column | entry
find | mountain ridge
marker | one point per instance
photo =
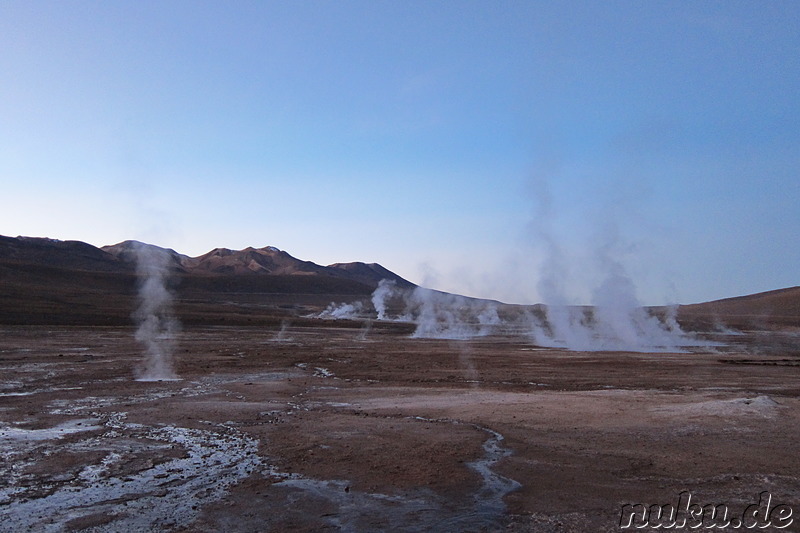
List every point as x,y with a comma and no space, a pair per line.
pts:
267,260
64,281
778,306
51,281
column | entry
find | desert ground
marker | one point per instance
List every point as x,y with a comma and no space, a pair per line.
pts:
329,426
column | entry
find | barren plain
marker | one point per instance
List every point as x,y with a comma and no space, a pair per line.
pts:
327,426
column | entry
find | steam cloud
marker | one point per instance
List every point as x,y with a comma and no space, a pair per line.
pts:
616,321
437,315
157,326
447,316
342,311
384,290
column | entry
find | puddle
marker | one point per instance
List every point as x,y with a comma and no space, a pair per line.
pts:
321,372
341,509
153,499
72,426
38,391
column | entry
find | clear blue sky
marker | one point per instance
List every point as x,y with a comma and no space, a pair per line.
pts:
445,140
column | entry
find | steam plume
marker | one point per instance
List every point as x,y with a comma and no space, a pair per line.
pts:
157,326
346,311
379,297
283,333
437,315
617,319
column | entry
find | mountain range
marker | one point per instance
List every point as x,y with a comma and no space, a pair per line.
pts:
52,281
47,281
257,261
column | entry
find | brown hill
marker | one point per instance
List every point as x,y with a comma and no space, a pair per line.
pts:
263,261
777,308
68,255
46,281
267,260
126,251
370,272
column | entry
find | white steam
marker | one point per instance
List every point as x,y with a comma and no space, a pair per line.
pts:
617,320
283,333
381,295
438,315
448,316
345,311
157,326
365,329
351,311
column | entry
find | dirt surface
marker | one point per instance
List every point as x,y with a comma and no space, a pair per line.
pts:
325,429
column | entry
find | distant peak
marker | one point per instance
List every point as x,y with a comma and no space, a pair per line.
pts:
124,245
221,251
270,249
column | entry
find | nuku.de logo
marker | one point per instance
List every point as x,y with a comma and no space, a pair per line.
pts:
693,515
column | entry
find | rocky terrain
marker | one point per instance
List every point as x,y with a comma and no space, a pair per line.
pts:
325,428
278,419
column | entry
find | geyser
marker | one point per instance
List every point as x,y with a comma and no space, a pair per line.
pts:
616,319
615,322
157,326
438,315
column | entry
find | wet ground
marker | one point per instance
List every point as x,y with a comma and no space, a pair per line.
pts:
344,429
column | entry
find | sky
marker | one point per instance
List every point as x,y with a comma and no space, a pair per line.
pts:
464,145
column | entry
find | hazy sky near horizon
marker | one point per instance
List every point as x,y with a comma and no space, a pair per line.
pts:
460,144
